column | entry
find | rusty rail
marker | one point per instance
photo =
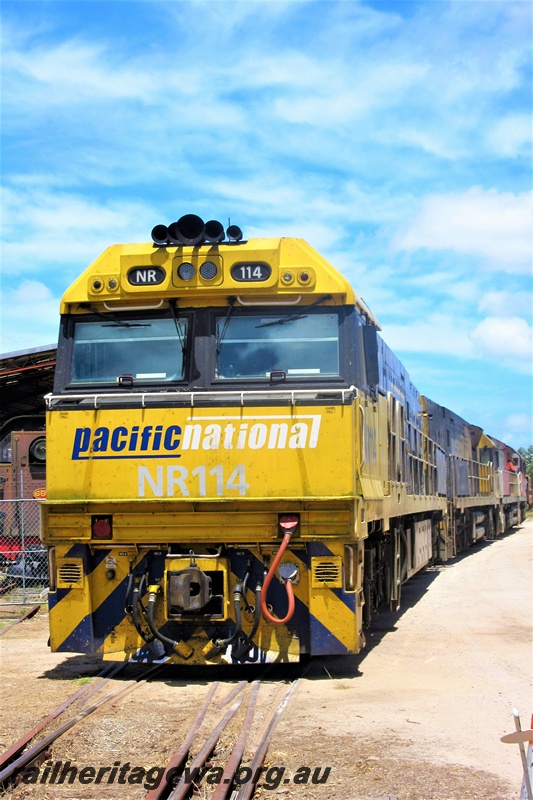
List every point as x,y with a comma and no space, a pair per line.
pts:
18,746
246,791
183,786
28,615
235,758
18,764
181,754
191,776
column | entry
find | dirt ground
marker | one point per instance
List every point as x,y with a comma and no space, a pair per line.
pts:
417,716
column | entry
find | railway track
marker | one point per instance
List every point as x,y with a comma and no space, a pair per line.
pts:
214,756
27,615
22,754
231,777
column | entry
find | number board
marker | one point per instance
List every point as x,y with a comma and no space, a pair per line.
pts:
254,272
146,276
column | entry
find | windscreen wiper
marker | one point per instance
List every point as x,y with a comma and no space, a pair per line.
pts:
172,306
114,320
297,314
231,304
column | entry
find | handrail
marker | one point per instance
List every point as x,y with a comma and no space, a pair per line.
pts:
362,444
270,302
481,483
133,308
54,399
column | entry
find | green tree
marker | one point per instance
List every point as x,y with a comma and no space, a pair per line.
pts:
527,455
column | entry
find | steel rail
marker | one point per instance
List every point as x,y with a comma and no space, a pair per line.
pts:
186,782
180,755
246,791
235,758
17,747
234,692
184,786
118,693
28,615
93,689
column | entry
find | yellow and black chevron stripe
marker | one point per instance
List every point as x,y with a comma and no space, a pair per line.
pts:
88,601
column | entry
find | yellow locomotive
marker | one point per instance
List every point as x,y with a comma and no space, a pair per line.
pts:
239,469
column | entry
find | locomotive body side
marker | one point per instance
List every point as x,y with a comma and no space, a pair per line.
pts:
510,484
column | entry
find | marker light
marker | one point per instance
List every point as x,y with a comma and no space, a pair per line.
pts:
186,271
102,528
208,270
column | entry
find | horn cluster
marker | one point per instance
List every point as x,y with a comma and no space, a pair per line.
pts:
192,230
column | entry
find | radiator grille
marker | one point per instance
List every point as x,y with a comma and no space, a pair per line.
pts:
70,574
326,571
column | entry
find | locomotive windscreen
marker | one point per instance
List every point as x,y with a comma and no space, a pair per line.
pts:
253,346
148,350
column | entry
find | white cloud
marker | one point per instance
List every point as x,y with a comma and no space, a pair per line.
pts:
73,71
61,228
493,225
518,422
347,92
33,302
505,338
518,430
447,284
500,303
439,334
511,136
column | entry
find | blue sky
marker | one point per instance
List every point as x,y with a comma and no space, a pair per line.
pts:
394,136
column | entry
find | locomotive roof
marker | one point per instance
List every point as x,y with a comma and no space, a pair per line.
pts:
293,273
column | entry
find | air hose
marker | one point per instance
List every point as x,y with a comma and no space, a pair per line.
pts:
289,523
237,597
179,647
138,591
245,642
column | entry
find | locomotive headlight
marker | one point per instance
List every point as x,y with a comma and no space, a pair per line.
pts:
37,450
186,271
97,285
112,284
304,277
160,235
234,233
208,270
287,277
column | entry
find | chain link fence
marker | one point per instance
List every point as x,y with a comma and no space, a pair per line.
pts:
23,557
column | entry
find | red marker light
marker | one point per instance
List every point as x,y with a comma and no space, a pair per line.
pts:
288,522
102,528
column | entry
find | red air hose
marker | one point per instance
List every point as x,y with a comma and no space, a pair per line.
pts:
288,523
